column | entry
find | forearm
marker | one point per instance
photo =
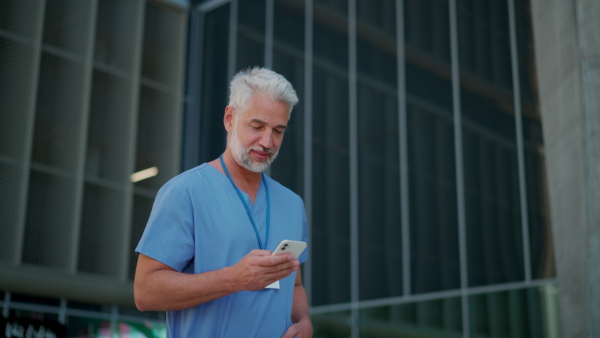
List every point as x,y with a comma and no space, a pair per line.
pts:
168,290
161,288
300,308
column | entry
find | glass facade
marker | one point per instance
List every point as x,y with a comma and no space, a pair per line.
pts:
416,147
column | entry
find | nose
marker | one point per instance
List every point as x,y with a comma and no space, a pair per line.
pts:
266,139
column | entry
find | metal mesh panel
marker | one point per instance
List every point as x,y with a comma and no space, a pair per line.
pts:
156,136
58,115
57,97
162,33
16,87
115,33
109,128
159,120
17,30
66,24
142,205
49,221
101,230
19,17
10,207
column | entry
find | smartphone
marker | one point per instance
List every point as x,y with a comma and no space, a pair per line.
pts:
287,246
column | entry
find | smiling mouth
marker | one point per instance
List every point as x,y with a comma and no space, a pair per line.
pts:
262,155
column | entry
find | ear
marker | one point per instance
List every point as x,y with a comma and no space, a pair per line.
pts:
229,118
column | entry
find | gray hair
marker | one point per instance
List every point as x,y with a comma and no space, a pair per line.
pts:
264,81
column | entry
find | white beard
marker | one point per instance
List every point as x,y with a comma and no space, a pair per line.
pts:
242,156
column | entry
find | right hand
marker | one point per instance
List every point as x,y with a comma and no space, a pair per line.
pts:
258,269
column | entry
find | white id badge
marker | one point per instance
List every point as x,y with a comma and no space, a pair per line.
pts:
274,285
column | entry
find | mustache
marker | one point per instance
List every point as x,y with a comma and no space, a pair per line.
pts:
270,151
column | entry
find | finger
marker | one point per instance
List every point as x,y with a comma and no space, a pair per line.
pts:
282,272
259,252
291,332
287,265
271,261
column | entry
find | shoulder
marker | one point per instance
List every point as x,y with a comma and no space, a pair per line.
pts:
281,191
190,179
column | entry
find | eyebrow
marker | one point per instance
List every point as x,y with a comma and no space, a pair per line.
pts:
264,123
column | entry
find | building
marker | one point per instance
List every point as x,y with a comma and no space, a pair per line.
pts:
449,193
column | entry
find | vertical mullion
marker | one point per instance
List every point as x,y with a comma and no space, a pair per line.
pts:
520,145
308,132
35,78
6,304
269,19
403,140
81,151
114,319
62,311
133,125
194,87
460,194
353,145
233,15
268,57
179,90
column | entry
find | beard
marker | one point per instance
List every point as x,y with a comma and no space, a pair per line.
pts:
241,155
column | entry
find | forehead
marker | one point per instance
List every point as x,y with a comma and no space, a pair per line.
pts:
265,109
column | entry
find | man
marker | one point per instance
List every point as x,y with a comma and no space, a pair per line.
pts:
205,255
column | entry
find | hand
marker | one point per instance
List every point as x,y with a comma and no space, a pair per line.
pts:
302,329
258,269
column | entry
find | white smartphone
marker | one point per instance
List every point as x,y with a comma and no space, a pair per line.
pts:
287,246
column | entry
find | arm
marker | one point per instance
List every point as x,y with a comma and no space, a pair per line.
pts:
302,326
159,287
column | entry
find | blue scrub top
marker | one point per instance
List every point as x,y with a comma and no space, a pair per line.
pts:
199,224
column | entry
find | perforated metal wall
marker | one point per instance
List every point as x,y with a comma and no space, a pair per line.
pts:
90,92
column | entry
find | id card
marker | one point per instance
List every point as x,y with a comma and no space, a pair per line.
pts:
274,285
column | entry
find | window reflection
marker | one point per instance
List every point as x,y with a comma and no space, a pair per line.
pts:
331,178
431,151
434,223
331,218
214,88
434,318
251,34
516,313
493,212
380,238
288,60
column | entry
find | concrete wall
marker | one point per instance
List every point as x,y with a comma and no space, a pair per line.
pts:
567,46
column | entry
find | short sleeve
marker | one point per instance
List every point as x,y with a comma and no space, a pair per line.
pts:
169,233
304,256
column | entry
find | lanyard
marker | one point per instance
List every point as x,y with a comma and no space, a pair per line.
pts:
260,242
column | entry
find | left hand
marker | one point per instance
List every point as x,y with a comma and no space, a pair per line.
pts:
302,329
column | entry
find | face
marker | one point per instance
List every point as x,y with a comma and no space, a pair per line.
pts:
255,135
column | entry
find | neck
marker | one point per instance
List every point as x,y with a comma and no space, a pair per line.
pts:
246,180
